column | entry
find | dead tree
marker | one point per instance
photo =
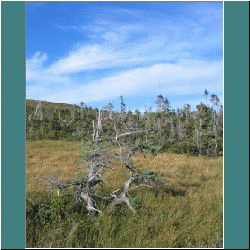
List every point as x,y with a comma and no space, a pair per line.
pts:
98,159
38,114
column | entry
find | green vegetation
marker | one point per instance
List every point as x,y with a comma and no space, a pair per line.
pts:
198,132
132,189
162,220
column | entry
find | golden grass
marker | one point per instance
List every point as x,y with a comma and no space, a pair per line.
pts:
193,220
59,158
200,209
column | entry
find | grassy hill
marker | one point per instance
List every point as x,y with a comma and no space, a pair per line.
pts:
49,105
57,120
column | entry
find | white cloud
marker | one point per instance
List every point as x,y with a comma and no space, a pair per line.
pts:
112,43
84,58
185,77
154,41
89,57
35,71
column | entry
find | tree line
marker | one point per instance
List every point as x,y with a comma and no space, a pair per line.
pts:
198,132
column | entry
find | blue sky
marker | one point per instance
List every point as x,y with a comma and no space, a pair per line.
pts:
97,51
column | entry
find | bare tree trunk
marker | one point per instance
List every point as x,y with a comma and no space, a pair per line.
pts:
93,135
123,197
38,114
98,128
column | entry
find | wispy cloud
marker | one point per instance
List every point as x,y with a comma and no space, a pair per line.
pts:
129,51
100,56
145,80
36,73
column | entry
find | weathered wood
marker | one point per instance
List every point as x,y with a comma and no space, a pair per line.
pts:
89,203
99,159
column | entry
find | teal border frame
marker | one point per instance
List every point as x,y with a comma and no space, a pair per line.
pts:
236,125
13,125
236,120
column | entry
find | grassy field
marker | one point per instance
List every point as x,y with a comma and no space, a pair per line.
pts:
56,157
162,220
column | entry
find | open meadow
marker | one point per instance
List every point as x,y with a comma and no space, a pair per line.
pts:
124,125
192,219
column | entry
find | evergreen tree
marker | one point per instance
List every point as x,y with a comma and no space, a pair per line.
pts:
183,130
206,94
137,112
214,100
165,105
123,105
109,107
159,103
162,104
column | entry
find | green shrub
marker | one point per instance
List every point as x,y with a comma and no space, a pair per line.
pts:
81,176
151,176
140,145
91,149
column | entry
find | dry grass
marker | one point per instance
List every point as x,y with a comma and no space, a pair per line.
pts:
192,172
59,158
193,220
199,212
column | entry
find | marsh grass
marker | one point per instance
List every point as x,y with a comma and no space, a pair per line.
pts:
164,221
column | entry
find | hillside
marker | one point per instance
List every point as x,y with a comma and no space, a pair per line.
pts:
50,105
181,130
57,120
